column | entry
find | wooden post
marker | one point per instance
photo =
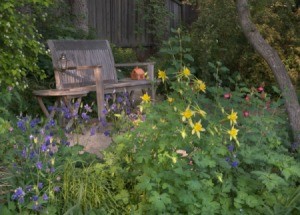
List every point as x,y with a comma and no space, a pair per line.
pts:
99,90
150,69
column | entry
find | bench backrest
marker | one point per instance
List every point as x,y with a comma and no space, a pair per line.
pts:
82,53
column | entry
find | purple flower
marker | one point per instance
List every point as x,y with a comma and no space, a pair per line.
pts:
21,125
39,165
28,188
35,198
107,133
11,129
45,197
40,185
21,200
113,107
87,108
119,99
76,105
227,159
24,153
36,206
48,140
43,148
52,169
51,123
107,96
18,195
85,116
105,112
34,122
10,88
93,131
65,142
103,121
50,108
230,148
56,189
32,155
234,164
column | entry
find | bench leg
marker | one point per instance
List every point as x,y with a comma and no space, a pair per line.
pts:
43,107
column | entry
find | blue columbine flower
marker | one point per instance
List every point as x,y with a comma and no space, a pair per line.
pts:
85,116
51,123
44,148
93,131
107,133
56,189
119,99
28,188
45,197
87,108
18,195
234,164
39,165
40,185
24,153
107,96
32,155
34,122
35,198
113,107
105,112
21,125
230,148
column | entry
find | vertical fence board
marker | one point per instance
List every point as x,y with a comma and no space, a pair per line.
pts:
117,20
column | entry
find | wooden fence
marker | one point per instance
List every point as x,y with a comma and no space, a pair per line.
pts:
117,20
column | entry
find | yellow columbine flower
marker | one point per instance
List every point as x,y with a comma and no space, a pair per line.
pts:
232,117
170,100
146,98
233,133
187,114
197,128
162,75
183,133
201,86
200,111
186,72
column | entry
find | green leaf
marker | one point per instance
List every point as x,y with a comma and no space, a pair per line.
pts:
188,57
159,201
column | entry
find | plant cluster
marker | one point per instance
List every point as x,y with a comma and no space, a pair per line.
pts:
20,44
209,150
216,36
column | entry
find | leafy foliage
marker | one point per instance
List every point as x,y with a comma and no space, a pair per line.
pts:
233,161
216,36
20,44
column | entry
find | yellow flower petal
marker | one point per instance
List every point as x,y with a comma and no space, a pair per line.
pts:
146,98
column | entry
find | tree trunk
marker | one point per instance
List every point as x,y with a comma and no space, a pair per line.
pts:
272,58
79,10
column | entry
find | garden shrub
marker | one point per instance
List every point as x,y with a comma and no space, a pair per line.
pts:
209,150
216,36
20,44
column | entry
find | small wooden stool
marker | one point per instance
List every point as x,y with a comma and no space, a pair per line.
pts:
63,95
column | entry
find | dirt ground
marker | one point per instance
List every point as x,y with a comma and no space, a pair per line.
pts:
92,143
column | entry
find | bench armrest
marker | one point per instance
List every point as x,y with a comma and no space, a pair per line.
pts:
134,64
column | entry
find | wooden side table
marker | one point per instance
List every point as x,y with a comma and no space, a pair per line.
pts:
63,95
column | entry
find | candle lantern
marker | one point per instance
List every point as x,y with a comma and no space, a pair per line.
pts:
63,61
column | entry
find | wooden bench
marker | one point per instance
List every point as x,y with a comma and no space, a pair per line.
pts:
90,66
